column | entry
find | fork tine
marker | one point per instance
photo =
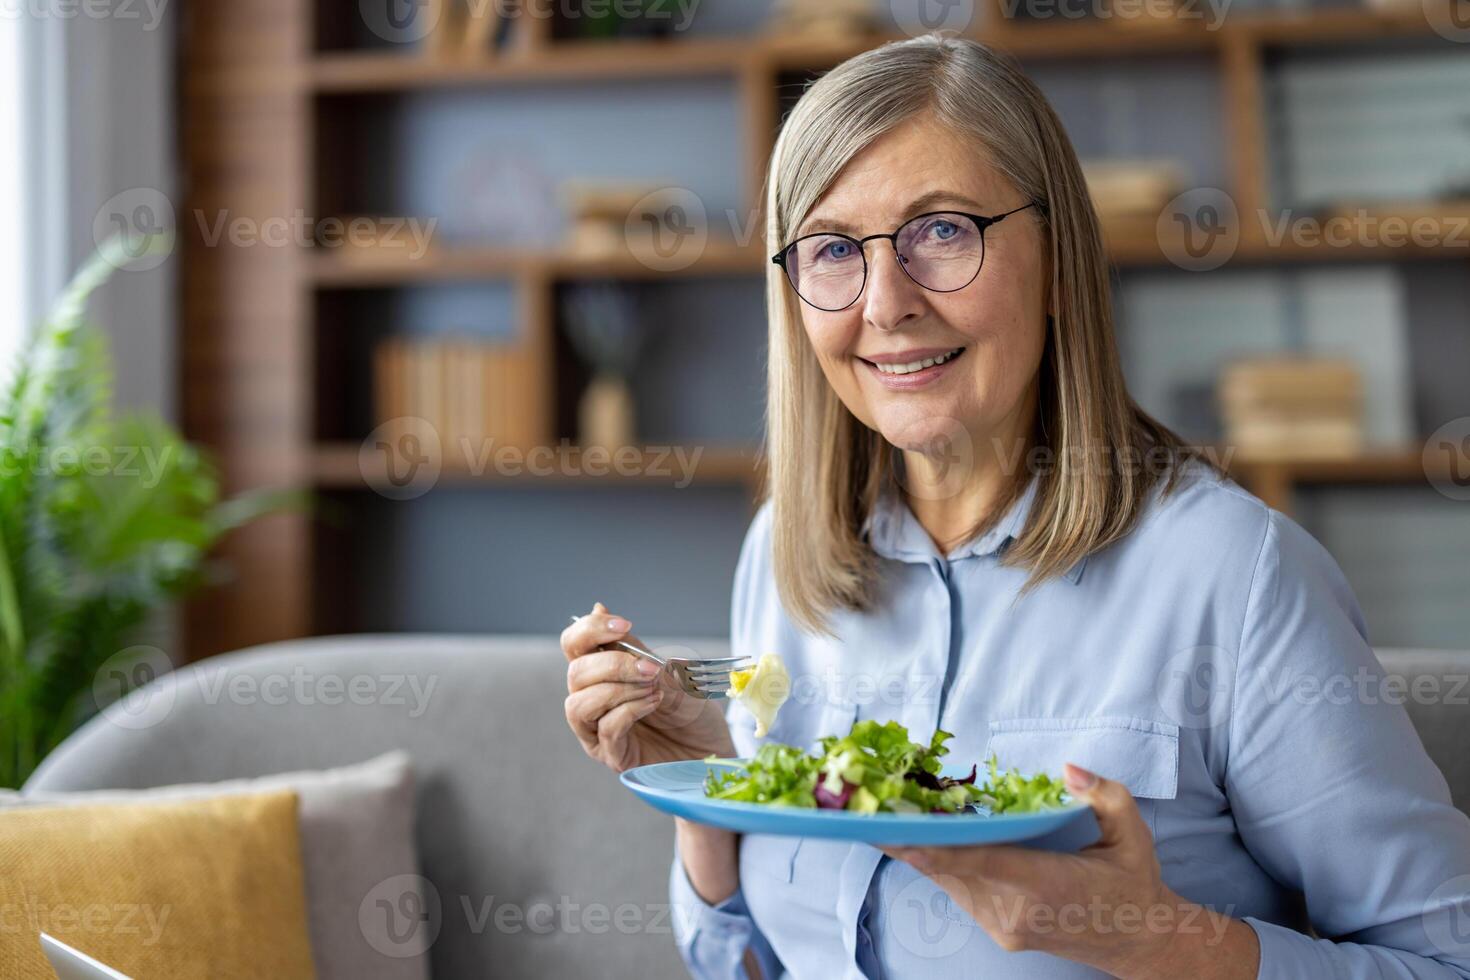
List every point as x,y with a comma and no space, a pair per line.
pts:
713,688
713,662
708,673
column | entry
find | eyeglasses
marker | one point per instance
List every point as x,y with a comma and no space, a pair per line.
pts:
941,251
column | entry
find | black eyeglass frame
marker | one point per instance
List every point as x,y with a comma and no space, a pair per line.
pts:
982,221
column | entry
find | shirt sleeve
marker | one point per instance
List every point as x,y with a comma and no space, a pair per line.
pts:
1331,789
714,939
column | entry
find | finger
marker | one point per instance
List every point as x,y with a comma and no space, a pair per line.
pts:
586,707
991,862
609,666
1118,820
613,727
592,631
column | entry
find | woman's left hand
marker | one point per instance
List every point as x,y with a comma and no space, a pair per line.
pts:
1106,905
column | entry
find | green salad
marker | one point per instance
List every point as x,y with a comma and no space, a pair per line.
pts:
875,768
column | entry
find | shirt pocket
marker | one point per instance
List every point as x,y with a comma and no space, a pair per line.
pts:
1143,755
777,855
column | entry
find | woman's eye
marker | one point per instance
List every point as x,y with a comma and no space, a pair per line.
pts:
837,250
944,230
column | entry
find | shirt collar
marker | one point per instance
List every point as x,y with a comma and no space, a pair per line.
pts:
893,531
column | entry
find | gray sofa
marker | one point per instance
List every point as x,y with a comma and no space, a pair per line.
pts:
510,810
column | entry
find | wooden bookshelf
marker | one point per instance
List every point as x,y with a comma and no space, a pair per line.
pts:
576,61
262,108
1276,480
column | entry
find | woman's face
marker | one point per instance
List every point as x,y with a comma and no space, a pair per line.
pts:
996,323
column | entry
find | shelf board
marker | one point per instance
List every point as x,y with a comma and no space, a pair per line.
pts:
1134,241
347,271
560,62
572,61
337,466
1377,465
1319,27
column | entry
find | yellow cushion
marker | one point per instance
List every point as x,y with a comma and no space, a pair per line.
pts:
158,890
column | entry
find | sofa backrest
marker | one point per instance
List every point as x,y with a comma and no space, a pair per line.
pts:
511,813
544,865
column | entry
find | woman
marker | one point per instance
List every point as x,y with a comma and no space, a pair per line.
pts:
971,526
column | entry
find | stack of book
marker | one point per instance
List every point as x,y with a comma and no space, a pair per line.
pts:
1292,408
478,397
476,28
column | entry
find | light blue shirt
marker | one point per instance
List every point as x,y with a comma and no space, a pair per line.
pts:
1214,661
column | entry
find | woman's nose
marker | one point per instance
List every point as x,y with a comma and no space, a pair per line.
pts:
890,296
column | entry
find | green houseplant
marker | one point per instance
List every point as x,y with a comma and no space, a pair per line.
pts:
102,521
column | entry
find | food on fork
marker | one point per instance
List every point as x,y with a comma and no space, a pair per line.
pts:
762,689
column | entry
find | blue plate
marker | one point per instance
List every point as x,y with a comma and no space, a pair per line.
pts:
678,788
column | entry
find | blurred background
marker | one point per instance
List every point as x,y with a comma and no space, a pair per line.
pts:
487,280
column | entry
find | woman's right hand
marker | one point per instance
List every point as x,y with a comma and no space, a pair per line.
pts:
627,715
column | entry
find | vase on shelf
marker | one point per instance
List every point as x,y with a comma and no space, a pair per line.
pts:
606,415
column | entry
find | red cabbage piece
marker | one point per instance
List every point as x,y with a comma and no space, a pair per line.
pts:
833,801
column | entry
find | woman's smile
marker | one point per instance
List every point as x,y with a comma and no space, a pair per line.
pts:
909,369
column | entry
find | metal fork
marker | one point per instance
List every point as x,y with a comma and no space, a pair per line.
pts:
708,680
